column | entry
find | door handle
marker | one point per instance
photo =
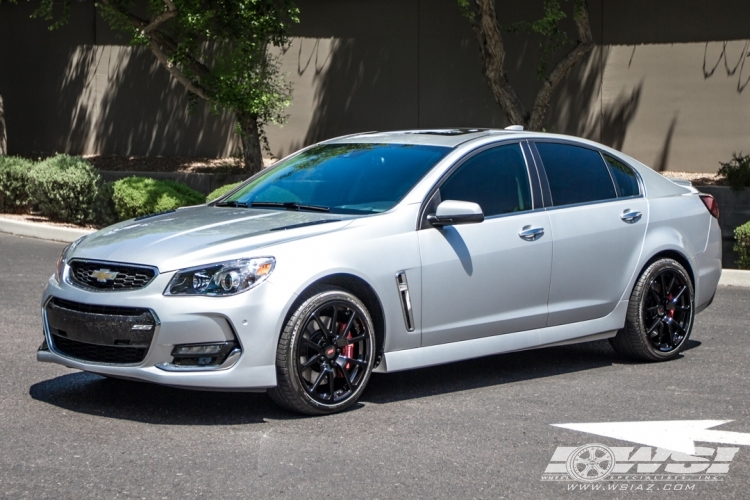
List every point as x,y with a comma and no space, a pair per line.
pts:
630,217
529,233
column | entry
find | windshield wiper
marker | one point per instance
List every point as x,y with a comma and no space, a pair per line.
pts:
232,204
288,205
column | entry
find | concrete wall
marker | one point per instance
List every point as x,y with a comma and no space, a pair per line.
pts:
667,83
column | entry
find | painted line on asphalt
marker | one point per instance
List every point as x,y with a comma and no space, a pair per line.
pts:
729,277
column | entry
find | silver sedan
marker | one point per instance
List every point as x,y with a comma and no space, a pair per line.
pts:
385,252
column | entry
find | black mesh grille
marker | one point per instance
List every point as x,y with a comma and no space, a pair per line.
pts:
99,353
107,310
110,275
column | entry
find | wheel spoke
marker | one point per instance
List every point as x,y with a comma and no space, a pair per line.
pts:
334,327
318,381
354,340
321,326
347,377
653,293
311,361
663,286
331,376
679,294
363,364
652,327
349,324
671,284
312,345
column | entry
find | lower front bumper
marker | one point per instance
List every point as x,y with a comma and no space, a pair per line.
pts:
233,379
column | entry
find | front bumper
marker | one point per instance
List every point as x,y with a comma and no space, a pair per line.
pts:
252,320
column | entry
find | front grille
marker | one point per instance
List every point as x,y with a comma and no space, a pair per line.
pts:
101,275
99,353
105,334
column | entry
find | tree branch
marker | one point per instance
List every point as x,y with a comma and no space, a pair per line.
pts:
161,18
583,46
485,25
176,73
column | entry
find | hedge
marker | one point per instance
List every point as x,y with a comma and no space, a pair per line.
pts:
219,192
65,188
14,195
737,171
136,196
742,245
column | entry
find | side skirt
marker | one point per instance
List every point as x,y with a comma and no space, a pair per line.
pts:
584,331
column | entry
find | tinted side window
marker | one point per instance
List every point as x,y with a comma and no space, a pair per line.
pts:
496,179
627,182
575,174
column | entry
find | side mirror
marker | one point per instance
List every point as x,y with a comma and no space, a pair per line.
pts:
452,212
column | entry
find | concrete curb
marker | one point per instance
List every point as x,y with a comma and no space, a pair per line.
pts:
729,277
41,231
735,277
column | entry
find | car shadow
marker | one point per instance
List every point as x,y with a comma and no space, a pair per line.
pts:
155,404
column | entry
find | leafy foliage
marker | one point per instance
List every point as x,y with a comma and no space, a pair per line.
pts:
737,171
136,196
14,194
218,50
742,245
65,188
219,192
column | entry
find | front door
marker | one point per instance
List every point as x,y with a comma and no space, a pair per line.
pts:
486,279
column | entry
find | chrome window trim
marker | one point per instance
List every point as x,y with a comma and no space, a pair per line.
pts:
66,274
53,349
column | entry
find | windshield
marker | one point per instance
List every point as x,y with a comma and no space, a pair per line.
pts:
341,178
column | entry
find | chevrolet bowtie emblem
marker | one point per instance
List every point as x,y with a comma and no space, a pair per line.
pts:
104,275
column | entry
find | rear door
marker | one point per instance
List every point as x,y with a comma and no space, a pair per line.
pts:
598,218
485,279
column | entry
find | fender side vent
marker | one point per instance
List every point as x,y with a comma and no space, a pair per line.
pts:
403,292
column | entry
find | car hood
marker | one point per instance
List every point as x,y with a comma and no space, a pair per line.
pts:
197,235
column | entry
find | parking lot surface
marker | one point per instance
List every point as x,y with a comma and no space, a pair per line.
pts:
475,429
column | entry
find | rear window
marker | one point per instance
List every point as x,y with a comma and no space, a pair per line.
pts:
625,178
575,174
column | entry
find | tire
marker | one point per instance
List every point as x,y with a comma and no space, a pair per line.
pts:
320,369
660,314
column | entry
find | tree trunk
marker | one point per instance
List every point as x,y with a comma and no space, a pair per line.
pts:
250,136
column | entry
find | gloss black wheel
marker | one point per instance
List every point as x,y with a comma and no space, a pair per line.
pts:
325,354
660,313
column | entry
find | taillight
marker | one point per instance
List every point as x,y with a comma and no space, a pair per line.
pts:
711,204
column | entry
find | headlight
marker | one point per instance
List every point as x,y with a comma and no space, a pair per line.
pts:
62,259
223,278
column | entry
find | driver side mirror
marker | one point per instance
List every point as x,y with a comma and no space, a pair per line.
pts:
453,212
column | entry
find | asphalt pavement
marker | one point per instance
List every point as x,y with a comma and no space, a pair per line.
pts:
475,429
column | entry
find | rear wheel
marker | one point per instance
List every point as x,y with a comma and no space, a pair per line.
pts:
660,314
325,354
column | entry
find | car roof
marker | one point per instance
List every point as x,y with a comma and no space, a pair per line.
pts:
450,137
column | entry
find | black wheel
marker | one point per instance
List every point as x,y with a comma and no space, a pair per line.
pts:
660,314
325,354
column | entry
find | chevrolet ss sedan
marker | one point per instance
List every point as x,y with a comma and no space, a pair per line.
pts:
385,252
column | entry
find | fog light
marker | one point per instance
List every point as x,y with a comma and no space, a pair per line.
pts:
202,354
194,350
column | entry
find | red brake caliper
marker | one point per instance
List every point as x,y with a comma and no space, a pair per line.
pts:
347,350
671,311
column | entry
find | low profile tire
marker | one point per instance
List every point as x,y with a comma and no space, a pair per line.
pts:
660,314
325,354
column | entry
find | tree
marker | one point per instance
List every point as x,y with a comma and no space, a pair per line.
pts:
485,23
217,49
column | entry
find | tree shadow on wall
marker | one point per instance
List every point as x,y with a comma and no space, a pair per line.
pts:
578,108
119,100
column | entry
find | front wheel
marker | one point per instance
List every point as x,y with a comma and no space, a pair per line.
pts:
325,354
660,314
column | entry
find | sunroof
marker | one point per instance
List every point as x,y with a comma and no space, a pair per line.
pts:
452,131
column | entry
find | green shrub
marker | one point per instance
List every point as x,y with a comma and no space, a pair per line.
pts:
742,245
14,193
104,208
219,192
65,188
737,171
136,196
